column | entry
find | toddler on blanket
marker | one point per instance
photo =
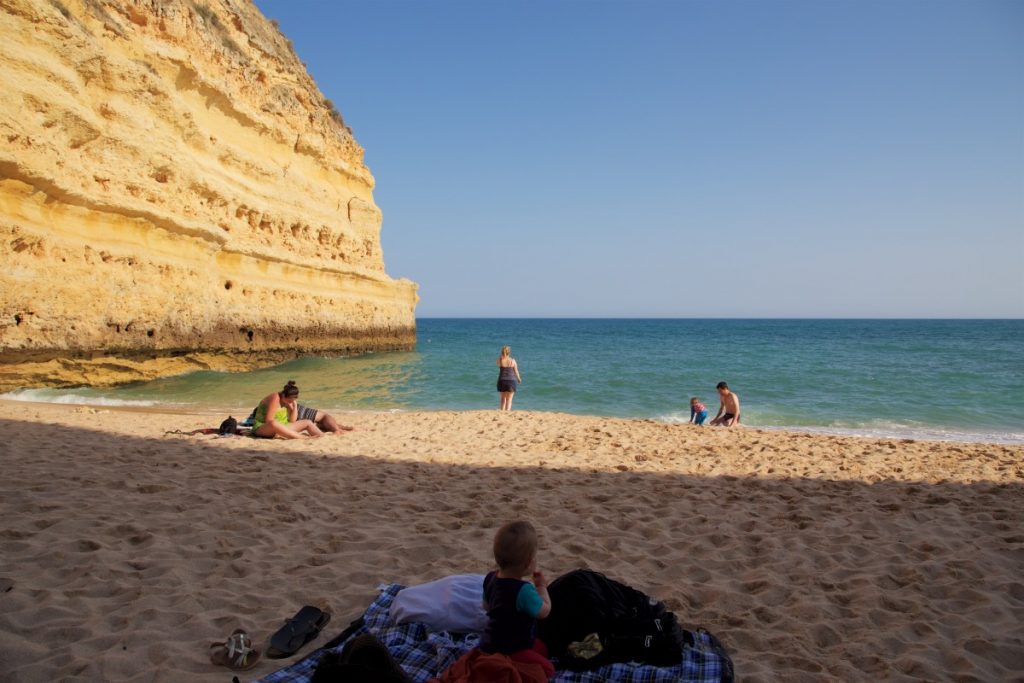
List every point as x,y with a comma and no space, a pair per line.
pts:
513,605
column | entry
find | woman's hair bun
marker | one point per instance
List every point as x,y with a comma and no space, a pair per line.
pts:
291,383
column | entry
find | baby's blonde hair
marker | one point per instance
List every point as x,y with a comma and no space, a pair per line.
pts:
515,546
694,400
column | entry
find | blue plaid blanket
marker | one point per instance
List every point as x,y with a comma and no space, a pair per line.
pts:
426,655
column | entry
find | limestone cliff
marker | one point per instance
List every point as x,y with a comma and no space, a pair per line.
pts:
176,193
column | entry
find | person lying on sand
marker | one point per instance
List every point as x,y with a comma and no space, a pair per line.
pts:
324,421
277,415
729,408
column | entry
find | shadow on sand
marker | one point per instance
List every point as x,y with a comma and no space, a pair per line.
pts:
127,554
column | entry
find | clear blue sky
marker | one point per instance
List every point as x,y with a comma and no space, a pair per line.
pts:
849,158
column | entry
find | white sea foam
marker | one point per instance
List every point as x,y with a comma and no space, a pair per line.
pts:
56,396
895,431
879,429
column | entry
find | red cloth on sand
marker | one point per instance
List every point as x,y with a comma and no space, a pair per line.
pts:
477,666
537,655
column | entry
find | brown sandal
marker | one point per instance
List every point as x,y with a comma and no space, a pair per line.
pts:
236,653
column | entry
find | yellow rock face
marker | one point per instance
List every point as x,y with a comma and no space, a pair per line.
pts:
176,194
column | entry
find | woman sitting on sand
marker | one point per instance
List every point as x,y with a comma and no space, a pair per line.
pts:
276,415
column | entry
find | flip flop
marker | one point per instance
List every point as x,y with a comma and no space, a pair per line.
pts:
297,631
236,653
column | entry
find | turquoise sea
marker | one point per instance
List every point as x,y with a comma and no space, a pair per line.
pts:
939,379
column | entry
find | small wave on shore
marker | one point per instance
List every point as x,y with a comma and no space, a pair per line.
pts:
877,429
68,397
882,430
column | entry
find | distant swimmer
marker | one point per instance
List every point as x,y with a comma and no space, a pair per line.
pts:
729,408
508,378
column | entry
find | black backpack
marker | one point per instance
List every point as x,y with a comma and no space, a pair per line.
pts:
632,627
228,426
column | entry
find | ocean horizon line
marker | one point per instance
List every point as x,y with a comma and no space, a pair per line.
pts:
706,318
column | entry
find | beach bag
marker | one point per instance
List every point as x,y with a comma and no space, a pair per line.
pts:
228,426
630,626
652,640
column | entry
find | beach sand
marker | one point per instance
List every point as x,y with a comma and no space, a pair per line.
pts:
126,551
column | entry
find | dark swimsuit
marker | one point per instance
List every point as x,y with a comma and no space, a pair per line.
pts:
507,379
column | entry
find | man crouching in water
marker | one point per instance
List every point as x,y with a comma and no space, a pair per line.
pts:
729,408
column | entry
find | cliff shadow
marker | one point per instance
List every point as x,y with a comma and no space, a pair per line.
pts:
126,555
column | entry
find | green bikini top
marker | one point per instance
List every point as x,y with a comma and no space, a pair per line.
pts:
280,416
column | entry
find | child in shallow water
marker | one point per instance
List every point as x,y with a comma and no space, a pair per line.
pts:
698,411
512,604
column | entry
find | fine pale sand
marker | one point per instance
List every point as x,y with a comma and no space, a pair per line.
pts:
126,551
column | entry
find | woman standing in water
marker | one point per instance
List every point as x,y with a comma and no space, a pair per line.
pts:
508,378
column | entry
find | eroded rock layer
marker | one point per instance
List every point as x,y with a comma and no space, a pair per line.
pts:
176,193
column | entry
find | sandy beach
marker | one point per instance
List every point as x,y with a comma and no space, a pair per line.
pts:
126,550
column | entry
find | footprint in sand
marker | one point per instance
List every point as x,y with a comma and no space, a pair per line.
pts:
15,534
153,488
139,539
754,587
